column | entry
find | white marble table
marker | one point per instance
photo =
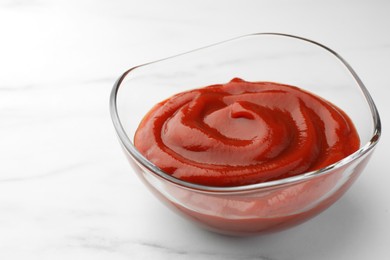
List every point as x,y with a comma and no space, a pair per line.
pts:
67,191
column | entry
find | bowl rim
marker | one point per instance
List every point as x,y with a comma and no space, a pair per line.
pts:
140,159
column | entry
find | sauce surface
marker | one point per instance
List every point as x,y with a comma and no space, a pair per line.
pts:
242,133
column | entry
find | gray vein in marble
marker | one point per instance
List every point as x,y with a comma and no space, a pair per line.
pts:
200,254
16,88
47,174
62,83
114,245
100,80
28,120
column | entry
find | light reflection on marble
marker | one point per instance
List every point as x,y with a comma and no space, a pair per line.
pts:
66,190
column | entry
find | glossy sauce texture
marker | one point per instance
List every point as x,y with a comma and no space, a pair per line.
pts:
243,132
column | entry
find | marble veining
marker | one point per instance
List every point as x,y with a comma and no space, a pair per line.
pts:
61,170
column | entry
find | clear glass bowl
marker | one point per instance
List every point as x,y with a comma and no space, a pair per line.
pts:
262,207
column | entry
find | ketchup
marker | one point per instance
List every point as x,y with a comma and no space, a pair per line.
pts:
242,133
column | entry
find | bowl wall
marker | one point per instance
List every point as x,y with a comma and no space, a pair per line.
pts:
257,211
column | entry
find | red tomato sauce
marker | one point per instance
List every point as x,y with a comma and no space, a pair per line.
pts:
242,133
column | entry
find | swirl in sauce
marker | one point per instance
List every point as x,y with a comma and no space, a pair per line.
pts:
243,132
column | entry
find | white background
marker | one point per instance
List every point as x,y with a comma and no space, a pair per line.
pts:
66,189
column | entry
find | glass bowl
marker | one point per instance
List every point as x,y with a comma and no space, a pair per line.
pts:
263,207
